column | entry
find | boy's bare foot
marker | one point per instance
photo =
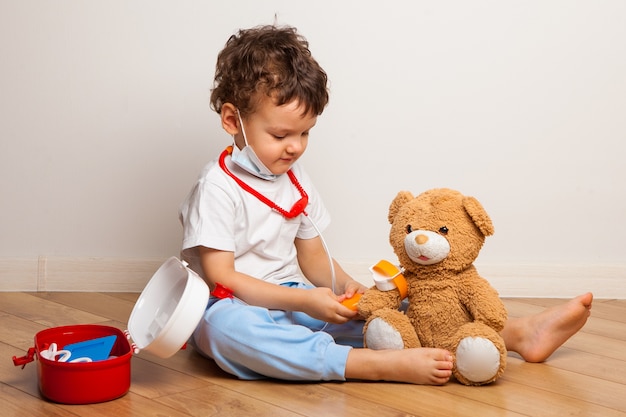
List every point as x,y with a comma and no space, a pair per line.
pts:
536,337
424,366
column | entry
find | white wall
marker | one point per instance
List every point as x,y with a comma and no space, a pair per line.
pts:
105,122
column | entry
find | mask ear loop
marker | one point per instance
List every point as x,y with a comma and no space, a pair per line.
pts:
243,130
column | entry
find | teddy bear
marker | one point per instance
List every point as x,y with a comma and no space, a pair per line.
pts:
437,236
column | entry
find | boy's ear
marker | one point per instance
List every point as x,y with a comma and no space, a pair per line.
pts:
230,121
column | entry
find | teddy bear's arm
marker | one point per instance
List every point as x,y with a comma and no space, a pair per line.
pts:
374,299
483,302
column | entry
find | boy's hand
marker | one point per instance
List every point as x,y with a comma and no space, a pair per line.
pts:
322,304
352,287
349,297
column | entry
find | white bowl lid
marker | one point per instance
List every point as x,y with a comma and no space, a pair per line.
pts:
168,309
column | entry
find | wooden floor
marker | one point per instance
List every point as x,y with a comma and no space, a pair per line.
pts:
586,377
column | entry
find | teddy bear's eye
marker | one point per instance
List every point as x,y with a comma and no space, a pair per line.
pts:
443,230
409,229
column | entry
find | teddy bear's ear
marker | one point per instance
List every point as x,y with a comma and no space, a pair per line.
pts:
479,215
401,199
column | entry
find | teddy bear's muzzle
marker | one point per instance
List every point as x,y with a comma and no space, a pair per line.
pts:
425,247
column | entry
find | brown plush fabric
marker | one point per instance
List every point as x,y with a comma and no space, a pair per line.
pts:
448,299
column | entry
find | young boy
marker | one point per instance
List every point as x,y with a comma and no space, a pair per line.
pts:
252,223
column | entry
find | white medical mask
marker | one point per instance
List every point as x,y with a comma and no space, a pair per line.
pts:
248,160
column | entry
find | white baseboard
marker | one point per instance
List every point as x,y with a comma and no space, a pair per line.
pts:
131,275
76,274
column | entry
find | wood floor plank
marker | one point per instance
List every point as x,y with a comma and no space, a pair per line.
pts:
100,304
47,313
528,400
423,400
613,329
217,401
569,384
131,405
315,399
589,364
601,345
151,380
15,403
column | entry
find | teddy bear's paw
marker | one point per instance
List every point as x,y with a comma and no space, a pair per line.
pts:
477,360
381,335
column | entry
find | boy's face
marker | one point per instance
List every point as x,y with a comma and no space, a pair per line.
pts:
278,134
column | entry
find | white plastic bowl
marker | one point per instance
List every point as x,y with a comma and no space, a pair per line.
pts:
168,309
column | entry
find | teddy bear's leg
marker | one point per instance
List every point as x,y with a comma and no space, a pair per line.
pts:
480,354
389,329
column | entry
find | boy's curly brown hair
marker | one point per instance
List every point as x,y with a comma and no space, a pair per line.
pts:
271,61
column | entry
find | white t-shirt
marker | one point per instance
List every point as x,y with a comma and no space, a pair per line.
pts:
219,214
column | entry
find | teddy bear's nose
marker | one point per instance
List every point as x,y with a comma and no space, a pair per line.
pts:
421,239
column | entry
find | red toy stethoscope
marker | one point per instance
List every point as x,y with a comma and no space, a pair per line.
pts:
296,209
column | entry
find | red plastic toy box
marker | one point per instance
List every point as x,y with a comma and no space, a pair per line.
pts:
162,320
81,383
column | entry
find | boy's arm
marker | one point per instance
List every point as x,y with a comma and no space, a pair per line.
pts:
219,267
